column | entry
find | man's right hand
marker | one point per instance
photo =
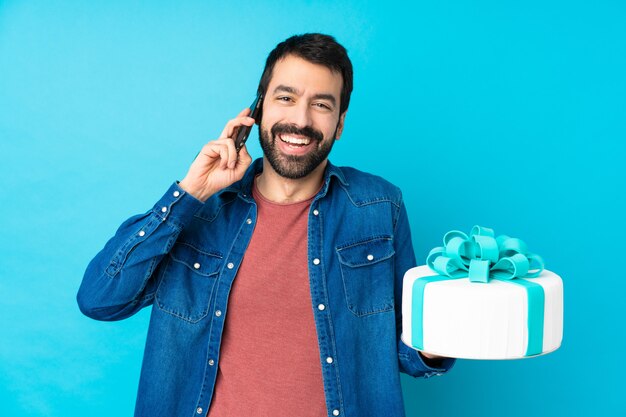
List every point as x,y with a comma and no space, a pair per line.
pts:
217,165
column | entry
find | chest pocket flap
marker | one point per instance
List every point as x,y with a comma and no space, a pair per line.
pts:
366,253
188,280
203,263
367,272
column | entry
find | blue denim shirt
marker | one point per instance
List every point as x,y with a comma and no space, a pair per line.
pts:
182,257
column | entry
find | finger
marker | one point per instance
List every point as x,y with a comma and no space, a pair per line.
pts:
232,152
223,141
210,150
244,156
214,150
244,160
234,124
241,119
243,113
225,155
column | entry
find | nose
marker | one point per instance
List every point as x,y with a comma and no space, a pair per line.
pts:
301,114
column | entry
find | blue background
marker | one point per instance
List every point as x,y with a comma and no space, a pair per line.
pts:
505,114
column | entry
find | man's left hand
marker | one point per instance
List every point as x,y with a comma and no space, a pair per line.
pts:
434,361
431,356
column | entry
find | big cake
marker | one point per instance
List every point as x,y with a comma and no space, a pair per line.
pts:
482,297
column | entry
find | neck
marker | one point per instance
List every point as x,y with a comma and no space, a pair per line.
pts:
284,190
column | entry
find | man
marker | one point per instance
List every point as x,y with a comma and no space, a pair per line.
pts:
276,285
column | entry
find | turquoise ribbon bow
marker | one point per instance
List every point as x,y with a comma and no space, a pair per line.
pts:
482,257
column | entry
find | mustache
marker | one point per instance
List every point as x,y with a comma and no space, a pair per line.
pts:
307,131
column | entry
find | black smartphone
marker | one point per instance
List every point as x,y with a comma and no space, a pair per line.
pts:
255,113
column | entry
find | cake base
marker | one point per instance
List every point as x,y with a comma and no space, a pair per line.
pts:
461,319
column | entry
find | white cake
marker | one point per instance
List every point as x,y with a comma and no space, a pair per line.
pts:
481,320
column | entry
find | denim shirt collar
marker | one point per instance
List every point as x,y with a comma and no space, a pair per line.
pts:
244,186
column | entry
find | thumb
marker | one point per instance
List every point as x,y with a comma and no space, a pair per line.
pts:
244,156
244,160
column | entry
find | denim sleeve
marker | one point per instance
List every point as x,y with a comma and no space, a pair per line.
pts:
410,361
119,281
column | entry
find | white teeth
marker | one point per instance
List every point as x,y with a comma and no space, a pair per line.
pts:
295,141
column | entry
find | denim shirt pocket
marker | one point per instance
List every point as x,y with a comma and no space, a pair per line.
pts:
367,274
187,282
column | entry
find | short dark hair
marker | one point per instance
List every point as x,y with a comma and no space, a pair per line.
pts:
318,49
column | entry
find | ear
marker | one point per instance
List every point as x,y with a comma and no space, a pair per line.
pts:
342,119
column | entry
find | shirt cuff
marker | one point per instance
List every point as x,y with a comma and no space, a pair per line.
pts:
177,206
416,365
445,365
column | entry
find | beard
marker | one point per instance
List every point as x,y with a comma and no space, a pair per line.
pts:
294,166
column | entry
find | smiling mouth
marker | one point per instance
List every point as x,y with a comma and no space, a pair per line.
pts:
294,140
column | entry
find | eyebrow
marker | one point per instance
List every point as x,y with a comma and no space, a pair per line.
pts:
292,90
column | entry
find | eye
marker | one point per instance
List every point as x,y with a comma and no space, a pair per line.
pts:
284,99
322,106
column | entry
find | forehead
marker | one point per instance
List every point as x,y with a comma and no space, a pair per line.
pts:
306,77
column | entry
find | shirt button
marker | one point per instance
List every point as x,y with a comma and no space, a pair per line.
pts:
230,265
211,362
199,410
218,313
315,212
321,306
176,193
335,412
249,221
329,360
164,209
142,233
196,265
370,257
316,261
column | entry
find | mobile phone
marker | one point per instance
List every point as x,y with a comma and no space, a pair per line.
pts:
244,131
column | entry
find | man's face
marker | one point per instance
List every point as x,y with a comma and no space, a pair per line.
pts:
301,117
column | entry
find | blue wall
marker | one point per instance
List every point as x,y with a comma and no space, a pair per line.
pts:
506,114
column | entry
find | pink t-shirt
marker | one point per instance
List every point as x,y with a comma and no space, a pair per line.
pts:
269,361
